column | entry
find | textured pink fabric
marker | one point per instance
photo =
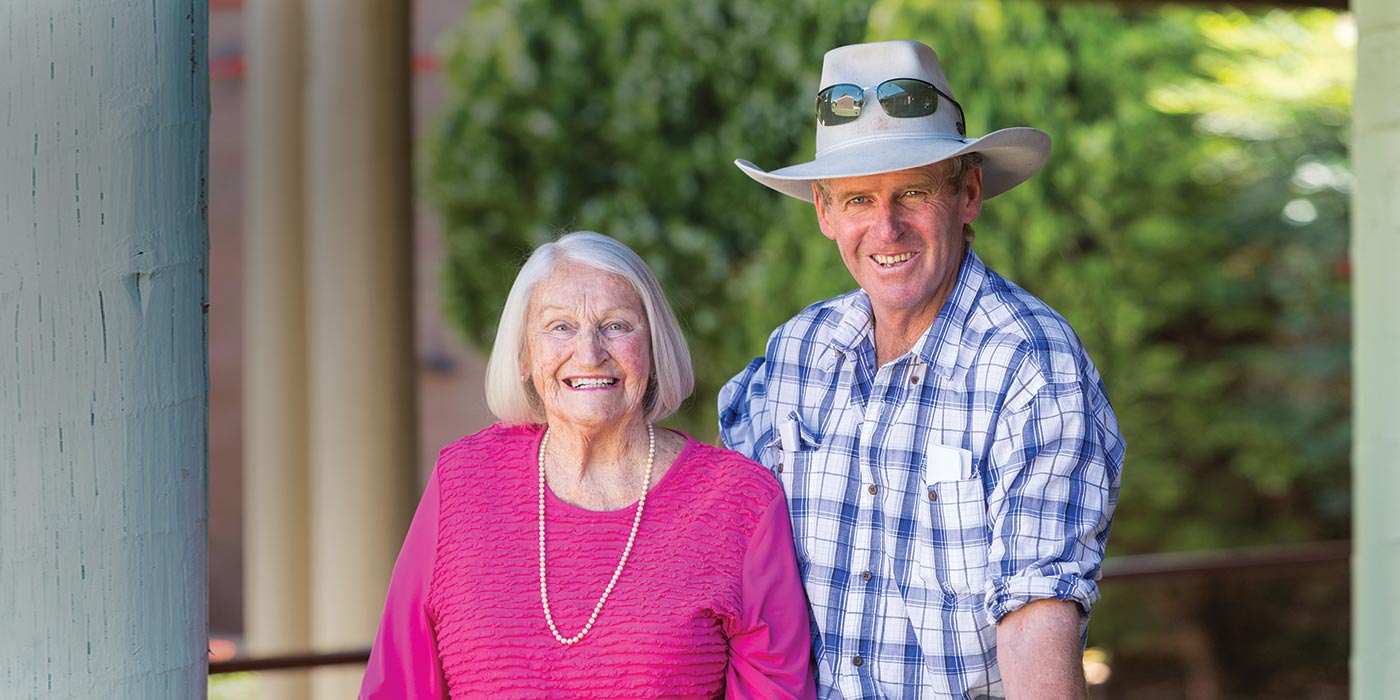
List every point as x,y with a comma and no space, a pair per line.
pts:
710,604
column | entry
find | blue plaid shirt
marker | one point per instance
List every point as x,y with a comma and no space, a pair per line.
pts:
933,495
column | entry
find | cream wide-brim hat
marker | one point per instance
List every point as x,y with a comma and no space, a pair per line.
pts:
877,143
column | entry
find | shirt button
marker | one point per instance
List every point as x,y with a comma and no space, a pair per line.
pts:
866,576
780,467
914,379
857,662
932,495
873,489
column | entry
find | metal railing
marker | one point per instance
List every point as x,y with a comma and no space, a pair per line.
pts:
1232,562
1247,560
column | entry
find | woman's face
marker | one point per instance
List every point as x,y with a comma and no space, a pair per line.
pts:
588,350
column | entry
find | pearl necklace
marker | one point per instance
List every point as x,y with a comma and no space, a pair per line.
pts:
626,551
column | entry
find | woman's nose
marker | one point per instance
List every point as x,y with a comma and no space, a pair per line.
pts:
590,346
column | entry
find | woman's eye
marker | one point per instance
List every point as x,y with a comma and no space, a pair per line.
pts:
615,328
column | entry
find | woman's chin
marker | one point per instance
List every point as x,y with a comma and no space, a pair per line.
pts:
591,415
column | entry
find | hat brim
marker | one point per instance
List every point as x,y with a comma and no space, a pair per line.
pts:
1009,157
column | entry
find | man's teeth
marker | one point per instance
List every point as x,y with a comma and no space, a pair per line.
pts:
590,383
888,260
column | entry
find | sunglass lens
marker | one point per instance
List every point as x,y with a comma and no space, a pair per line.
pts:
839,104
907,97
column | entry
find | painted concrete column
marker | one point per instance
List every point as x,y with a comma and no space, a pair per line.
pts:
103,372
1375,255
276,510
359,318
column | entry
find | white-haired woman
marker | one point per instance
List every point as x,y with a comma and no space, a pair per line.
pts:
574,550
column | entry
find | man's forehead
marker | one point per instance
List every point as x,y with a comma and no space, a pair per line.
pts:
926,174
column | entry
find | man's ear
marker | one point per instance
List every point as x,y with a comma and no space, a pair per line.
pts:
821,211
972,188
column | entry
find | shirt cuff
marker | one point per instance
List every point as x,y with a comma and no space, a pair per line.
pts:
1009,594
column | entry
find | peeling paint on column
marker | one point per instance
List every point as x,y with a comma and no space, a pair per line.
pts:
103,398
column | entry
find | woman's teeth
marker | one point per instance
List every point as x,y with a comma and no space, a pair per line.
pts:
590,383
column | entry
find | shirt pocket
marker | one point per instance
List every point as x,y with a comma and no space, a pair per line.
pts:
952,538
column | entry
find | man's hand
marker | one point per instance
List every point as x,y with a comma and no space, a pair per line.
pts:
1040,653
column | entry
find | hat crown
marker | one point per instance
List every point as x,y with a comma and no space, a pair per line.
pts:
868,65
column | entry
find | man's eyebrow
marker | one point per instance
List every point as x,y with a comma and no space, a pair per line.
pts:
919,184
849,192
923,183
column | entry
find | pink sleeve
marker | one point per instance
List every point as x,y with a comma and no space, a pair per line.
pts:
404,662
770,652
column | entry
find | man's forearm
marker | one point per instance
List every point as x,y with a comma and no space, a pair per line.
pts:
1040,653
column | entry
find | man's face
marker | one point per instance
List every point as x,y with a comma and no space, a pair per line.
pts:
901,236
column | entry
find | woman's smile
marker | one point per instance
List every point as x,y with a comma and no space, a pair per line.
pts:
591,383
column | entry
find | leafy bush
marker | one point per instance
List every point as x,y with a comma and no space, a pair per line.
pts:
1159,230
624,117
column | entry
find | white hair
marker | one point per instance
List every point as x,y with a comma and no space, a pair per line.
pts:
512,398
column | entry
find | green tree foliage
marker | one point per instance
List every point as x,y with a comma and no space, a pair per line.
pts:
624,117
1160,229
1191,225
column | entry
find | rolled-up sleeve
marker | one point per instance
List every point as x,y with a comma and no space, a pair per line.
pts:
770,645
404,662
1055,464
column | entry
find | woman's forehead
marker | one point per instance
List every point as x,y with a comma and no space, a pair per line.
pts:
573,285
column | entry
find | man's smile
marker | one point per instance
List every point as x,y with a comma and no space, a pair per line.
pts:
891,261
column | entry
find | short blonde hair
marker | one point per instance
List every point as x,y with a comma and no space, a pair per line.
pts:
512,398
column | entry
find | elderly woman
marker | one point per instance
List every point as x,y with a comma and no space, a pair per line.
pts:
575,550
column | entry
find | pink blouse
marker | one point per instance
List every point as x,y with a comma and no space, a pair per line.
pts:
709,605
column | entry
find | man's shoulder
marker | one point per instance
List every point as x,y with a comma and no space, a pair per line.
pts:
1008,316
819,320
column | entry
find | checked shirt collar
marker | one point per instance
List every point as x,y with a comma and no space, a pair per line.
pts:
940,347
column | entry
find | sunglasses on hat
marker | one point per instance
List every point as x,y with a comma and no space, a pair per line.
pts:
902,98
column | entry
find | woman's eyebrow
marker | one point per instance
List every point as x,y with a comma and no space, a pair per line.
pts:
602,312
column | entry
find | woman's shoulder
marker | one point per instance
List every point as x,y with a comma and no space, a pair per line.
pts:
730,473
493,444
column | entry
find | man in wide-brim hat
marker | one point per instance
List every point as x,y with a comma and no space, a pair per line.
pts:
949,455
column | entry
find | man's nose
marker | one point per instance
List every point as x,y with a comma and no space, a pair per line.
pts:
888,223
